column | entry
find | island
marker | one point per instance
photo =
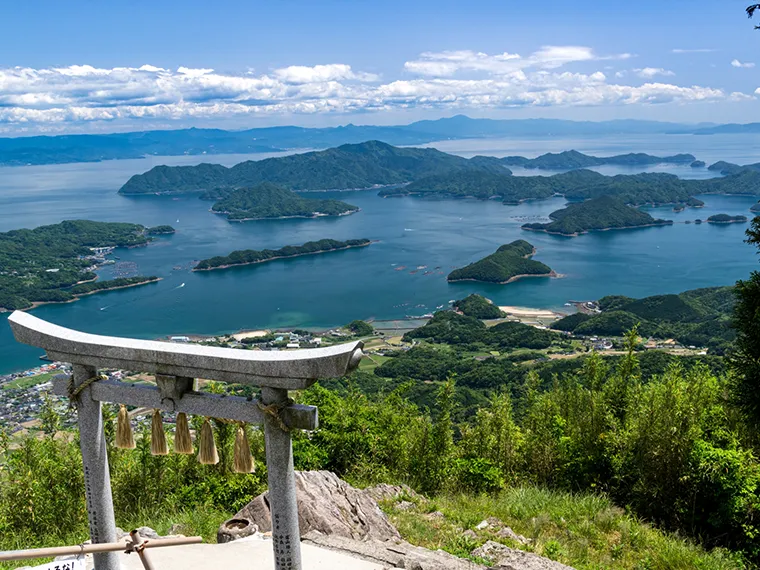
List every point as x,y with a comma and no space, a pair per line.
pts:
429,172
57,263
479,307
253,257
605,213
161,231
271,201
350,166
698,164
572,159
507,264
726,219
755,207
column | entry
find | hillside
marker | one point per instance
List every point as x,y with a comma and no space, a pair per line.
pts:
271,201
597,214
252,256
572,159
345,167
508,263
49,263
700,317
726,219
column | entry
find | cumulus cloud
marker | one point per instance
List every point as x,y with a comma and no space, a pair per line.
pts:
451,80
649,72
737,63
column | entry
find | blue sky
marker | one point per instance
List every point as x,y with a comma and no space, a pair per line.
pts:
80,65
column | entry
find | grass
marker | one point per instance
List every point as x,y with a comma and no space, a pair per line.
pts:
29,381
586,532
199,522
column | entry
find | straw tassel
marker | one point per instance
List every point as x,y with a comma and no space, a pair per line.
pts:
207,454
157,435
125,439
183,443
243,460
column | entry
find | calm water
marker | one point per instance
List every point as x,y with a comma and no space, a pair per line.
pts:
335,288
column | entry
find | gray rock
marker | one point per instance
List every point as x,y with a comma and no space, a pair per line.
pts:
482,525
507,532
325,504
469,533
506,558
394,554
147,532
436,515
405,506
384,491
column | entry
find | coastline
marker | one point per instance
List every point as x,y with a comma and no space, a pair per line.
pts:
314,215
36,304
576,234
552,273
282,257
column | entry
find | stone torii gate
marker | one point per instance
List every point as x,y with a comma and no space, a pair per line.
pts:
176,367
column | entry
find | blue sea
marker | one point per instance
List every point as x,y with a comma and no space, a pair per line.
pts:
365,283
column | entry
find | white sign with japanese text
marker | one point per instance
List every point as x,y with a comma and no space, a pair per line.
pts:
77,564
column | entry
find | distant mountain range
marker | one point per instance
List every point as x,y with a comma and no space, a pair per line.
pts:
21,151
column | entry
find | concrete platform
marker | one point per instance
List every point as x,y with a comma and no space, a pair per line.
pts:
252,553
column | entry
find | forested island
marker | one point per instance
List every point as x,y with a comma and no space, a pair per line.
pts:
161,231
605,213
700,317
426,171
268,200
252,256
508,263
349,166
572,160
55,263
726,219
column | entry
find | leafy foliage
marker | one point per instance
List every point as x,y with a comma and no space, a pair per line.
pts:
509,262
270,201
253,256
360,328
41,265
572,159
601,213
478,306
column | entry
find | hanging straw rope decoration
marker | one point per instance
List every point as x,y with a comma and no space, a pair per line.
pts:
158,444
243,460
183,443
125,439
207,454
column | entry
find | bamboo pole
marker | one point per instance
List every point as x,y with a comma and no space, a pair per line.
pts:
93,548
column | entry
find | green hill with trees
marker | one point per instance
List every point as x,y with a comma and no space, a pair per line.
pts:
253,256
726,219
49,264
479,307
700,317
268,200
508,263
345,167
572,159
603,213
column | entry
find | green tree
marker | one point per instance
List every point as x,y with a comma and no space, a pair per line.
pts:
746,356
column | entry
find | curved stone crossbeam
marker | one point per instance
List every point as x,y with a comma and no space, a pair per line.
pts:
290,370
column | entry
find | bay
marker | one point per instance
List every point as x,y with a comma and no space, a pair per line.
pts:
335,288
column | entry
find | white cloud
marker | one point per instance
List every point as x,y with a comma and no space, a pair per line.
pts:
649,72
452,80
697,50
737,63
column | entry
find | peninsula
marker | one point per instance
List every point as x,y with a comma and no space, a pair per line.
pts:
252,256
56,263
605,213
726,219
572,159
508,263
268,200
